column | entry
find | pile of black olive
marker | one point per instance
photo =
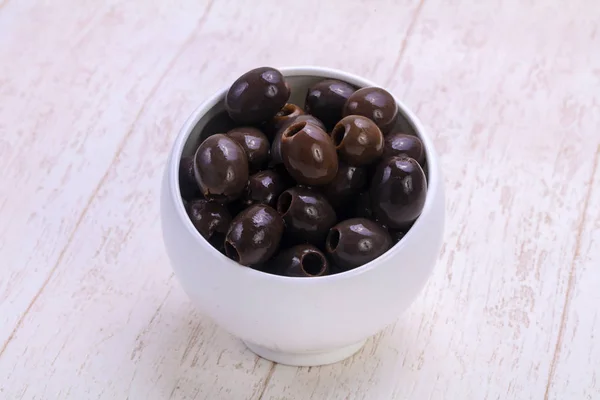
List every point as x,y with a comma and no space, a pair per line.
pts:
305,192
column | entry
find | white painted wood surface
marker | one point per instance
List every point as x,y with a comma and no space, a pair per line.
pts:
92,94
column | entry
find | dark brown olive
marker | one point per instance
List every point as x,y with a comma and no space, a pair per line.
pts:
254,235
346,185
211,219
374,103
303,260
398,191
255,144
276,144
187,182
307,215
358,140
309,154
221,168
264,187
397,144
286,115
257,96
325,100
355,242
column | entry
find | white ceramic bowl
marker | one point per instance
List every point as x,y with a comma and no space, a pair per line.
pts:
300,321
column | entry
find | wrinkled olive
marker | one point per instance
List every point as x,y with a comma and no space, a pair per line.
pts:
346,184
355,242
211,219
303,260
257,96
358,140
325,100
309,154
221,168
255,144
397,144
398,191
264,187
187,182
276,144
374,103
254,235
286,115
307,215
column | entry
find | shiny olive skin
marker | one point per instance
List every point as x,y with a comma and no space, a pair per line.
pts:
307,215
276,144
187,182
358,140
286,115
254,235
211,219
221,168
325,100
303,260
264,187
255,144
355,242
398,191
376,104
347,183
397,144
257,96
309,154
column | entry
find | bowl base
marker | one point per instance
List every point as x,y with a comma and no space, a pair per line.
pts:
308,359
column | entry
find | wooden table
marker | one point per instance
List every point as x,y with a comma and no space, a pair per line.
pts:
93,93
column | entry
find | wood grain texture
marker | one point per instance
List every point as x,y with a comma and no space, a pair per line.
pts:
71,94
95,93
575,372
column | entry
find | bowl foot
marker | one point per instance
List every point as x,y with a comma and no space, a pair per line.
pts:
308,359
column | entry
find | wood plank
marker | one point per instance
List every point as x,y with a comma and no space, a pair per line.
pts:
112,321
575,373
506,90
78,76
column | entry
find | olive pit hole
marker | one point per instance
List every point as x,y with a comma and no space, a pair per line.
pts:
333,239
232,252
338,134
293,129
284,202
313,264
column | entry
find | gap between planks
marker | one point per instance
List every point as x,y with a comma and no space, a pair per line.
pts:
104,178
267,380
571,281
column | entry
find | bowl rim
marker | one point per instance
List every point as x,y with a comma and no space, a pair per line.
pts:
433,186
